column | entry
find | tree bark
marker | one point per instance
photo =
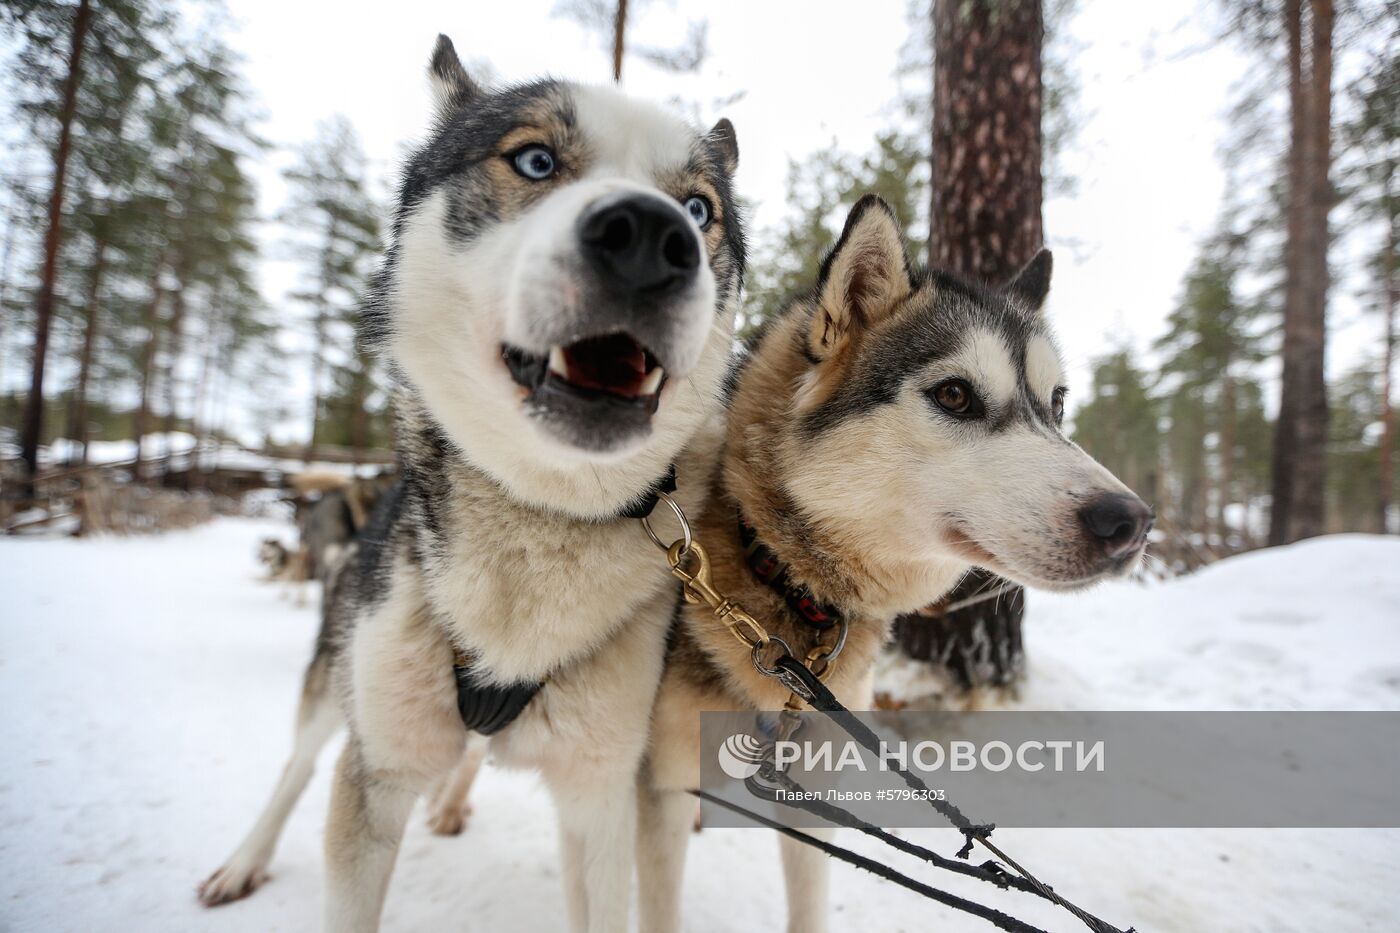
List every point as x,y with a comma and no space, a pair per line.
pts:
53,239
1387,447
359,416
1228,412
619,39
1300,440
174,347
985,215
984,223
148,365
78,410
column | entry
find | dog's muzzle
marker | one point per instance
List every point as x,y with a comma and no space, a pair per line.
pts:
639,262
639,246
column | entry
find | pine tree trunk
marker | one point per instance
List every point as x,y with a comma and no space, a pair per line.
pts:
1387,451
77,412
1228,412
317,362
200,424
1300,441
619,39
148,365
985,216
53,238
984,223
174,347
359,417
6,252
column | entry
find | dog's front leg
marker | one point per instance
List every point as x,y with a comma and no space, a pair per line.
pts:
805,873
598,828
665,819
366,823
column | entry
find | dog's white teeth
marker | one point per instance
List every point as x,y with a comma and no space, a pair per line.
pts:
557,364
652,382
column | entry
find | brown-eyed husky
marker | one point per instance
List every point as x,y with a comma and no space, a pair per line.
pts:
886,433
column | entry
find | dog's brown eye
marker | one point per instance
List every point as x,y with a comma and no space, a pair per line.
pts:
956,397
1057,404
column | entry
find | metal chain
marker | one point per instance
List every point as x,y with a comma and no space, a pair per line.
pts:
698,586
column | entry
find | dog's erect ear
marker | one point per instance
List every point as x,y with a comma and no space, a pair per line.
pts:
862,279
1032,283
722,137
452,87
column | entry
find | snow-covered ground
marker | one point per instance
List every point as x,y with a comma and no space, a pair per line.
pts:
147,687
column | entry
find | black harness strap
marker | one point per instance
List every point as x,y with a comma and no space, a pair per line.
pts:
486,707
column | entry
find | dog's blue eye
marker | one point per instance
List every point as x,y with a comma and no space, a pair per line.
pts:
699,210
535,163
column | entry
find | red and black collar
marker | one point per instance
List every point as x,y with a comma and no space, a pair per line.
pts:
770,570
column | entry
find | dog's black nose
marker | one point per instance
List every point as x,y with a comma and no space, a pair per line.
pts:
640,243
1120,522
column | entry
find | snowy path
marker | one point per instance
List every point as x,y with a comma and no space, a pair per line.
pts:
147,688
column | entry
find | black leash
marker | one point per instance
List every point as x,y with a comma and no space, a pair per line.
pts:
797,677
988,871
881,870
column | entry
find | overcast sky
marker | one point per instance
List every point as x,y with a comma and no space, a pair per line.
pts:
1154,93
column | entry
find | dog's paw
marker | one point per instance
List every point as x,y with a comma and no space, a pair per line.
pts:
233,881
449,821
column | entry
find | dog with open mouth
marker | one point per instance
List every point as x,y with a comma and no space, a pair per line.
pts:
557,304
886,433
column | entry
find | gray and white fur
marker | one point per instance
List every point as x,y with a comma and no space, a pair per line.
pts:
557,302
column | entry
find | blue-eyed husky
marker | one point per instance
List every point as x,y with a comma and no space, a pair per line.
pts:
557,303
886,433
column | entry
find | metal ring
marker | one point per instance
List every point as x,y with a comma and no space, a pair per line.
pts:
758,656
680,516
835,651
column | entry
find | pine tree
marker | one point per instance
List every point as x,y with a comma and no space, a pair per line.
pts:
985,219
1354,469
337,239
820,191
1210,355
610,19
53,235
197,207
111,150
1372,188
1120,423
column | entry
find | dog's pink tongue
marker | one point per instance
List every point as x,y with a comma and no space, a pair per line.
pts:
619,368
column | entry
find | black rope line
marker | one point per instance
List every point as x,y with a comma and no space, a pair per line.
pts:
881,870
988,871
820,698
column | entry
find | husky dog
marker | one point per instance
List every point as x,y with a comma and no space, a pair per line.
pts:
886,433
273,555
557,301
